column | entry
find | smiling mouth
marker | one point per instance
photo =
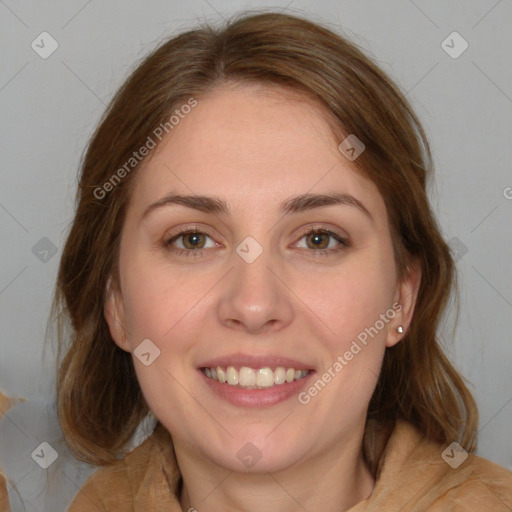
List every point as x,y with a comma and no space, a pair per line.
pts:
250,378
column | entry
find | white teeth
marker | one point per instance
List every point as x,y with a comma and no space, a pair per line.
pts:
221,376
280,375
249,378
232,376
265,378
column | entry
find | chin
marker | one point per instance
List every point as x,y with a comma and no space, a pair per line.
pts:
257,453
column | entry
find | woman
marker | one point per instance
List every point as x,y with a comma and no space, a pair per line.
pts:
254,262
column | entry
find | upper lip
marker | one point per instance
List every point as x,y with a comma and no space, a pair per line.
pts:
271,361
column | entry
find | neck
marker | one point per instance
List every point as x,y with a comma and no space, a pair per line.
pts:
334,481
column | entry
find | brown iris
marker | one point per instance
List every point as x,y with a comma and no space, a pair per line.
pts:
315,237
194,238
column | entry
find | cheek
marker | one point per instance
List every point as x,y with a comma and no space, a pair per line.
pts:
157,303
358,295
356,304
159,306
156,297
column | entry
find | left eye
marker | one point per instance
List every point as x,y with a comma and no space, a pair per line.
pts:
319,237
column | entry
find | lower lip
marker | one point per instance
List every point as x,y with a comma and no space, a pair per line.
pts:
257,397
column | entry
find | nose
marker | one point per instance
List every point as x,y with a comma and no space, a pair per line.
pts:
255,297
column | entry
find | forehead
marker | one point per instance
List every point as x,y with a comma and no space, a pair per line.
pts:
254,145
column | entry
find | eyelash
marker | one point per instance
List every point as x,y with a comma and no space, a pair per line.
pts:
167,244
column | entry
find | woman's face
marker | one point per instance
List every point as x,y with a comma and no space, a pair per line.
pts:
267,282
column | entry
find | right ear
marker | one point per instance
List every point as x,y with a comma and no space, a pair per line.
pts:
113,311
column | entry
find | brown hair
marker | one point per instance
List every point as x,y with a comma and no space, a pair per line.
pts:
100,403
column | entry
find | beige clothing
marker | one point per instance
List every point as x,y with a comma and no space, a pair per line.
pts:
411,476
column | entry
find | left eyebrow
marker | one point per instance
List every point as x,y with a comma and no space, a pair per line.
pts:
297,204
306,202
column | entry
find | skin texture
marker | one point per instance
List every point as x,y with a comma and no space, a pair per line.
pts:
254,147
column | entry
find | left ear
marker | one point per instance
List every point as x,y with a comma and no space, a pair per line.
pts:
406,295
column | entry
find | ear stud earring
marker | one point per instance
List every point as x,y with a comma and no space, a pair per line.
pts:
400,329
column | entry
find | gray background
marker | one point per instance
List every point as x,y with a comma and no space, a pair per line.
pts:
49,108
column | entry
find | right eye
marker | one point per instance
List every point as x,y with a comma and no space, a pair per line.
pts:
192,241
